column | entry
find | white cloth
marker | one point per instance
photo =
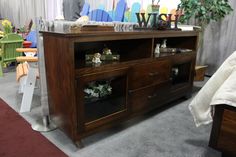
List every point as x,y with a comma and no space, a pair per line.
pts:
216,91
226,94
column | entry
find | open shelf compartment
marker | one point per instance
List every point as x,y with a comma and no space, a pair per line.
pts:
127,50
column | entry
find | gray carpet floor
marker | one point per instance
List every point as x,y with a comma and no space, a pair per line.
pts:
167,132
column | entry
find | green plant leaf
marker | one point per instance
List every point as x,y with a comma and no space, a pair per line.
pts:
204,10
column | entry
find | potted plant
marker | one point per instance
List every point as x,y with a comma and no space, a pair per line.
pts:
154,9
156,6
7,27
22,31
203,12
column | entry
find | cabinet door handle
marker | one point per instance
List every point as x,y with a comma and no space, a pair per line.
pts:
152,74
152,96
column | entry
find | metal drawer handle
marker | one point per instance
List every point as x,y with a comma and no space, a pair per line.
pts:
152,96
153,74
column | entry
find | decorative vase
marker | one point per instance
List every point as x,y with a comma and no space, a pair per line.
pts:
153,18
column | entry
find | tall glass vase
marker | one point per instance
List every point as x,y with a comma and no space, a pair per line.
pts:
154,17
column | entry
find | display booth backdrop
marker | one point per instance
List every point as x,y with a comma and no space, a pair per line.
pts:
21,11
110,4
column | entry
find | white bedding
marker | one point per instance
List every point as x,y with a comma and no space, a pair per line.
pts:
220,89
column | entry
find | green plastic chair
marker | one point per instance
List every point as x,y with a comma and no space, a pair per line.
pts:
8,45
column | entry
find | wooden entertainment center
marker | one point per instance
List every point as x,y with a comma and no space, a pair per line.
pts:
138,82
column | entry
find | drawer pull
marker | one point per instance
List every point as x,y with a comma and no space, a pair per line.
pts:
152,74
152,96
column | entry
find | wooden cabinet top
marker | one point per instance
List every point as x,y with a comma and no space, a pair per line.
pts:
122,35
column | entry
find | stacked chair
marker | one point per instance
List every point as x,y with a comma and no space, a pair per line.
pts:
101,15
8,45
27,72
34,66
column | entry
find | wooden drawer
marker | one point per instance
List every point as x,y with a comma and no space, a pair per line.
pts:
149,97
150,73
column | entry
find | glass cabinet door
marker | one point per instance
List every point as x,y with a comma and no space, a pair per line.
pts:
103,97
181,73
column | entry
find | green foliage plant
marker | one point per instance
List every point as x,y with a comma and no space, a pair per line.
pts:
204,11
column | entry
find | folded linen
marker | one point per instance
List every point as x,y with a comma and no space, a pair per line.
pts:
226,94
201,105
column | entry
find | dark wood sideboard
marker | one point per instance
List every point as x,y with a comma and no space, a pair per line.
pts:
140,81
223,133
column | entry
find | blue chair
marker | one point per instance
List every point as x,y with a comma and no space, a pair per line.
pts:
120,10
106,17
99,15
135,9
32,37
112,14
85,10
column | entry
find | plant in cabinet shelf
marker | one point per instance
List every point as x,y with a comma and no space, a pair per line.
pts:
7,26
107,55
97,90
107,51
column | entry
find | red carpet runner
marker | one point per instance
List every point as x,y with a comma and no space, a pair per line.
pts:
17,139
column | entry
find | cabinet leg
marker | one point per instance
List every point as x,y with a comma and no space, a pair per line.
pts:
79,144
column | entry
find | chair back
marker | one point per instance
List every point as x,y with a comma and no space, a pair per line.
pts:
32,37
135,9
8,45
99,15
112,14
120,10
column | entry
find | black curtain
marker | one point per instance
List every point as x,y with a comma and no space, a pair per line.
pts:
72,8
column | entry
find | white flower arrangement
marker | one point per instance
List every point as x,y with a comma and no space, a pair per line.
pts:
97,90
91,92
